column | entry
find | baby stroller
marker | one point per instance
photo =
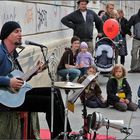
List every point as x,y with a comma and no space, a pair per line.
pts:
104,55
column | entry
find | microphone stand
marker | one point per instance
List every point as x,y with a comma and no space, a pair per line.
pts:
52,90
68,75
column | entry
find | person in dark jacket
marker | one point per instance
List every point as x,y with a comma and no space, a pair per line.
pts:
81,21
119,93
109,9
67,67
135,52
101,13
124,30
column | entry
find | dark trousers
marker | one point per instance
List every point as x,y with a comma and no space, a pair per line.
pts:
122,59
95,102
39,100
123,106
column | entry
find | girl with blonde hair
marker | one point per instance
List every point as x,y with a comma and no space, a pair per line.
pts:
119,93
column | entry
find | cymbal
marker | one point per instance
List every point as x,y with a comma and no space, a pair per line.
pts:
68,85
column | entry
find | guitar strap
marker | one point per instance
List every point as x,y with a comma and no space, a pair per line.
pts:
16,61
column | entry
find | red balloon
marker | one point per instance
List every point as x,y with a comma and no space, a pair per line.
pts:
111,28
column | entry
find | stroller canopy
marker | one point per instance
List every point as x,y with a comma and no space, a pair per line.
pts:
105,47
104,52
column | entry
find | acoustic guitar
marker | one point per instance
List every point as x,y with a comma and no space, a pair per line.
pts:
14,98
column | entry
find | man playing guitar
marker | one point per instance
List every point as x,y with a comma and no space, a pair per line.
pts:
35,100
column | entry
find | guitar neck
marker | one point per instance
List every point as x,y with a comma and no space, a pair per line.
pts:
26,75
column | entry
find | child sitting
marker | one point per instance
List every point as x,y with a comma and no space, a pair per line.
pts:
84,58
91,96
119,93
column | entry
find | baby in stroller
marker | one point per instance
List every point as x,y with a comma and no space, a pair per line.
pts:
104,55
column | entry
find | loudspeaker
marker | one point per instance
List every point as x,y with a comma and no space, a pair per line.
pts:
96,121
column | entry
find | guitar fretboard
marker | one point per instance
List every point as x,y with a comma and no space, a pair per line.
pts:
26,75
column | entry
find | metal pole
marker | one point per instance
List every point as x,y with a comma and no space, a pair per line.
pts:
120,4
66,114
52,108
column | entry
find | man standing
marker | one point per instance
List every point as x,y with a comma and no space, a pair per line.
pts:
81,21
109,9
135,52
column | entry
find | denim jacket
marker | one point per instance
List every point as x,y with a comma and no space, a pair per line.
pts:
5,66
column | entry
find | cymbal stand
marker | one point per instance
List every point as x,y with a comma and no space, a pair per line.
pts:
65,133
83,134
66,104
66,114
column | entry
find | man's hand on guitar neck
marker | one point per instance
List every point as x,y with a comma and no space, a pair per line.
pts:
16,83
41,66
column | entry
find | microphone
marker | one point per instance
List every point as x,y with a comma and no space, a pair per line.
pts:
35,44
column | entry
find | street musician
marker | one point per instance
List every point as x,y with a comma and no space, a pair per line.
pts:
16,96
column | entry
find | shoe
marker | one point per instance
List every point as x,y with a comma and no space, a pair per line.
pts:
134,71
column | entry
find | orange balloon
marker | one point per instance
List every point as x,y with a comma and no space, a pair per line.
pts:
111,28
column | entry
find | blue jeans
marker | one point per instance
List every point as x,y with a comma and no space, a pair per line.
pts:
73,73
83,70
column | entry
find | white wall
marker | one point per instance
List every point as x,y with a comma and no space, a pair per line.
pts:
40,22
34,18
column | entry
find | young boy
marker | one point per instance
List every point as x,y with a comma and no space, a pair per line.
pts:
92,94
